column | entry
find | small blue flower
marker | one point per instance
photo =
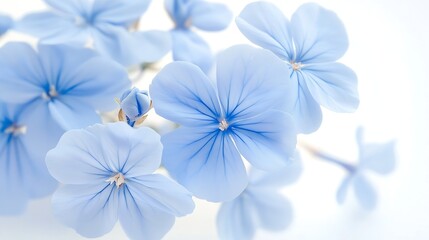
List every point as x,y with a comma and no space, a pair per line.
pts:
135,104
310,43
376,157
260,205
63,83
107,172
204,15
6,22
23,145
101,23
222,120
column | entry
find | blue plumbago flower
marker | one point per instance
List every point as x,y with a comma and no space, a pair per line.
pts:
23,145
235,115
260,205
134,104
310,43
107,172
376,157
204,15
6,22
101,23
67,84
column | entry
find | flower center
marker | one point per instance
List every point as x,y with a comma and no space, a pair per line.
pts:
51,93
16,130
118,179
223,125
296,66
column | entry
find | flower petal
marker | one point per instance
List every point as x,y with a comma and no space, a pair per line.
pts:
274,210
53,28
183,94
75,7
210,16
342,190
266,26
378,157
190,47
119,12
92,210
364,192
235,220
245,76
206,162
267,141
333,86
162,193
6,22
21,75
319,35
140,220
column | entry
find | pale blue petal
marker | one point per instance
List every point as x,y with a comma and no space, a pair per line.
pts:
206,162
250,81
21,75
162,193
210,16
179,11
119,12
364,192
6,22
183,94
75,7
190,47
267,141
319,35
342,190
140,220
266,26
378,157
91,210
274,211
130,48
53,28
235,220
332,85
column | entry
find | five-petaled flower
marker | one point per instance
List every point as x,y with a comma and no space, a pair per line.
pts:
310,43
107,172
223,120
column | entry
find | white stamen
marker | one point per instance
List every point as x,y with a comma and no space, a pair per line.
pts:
223,125
16,130
296,65
118,179
52,93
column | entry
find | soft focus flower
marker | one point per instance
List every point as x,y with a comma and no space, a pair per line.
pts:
6,22
310,43
224,119
260,205
107,172
23,145
62,83
101,23
376,157
204,15
135,104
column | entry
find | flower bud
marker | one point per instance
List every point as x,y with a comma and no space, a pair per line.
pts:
134,105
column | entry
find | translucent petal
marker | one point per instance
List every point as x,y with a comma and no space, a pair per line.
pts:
333,86
342,190
267,140
119,12
243,84
266,26
140,220
364,192
378,157
183,94
319,35
210,16
75,7
189,47
91,210
274,210
6,22
206,162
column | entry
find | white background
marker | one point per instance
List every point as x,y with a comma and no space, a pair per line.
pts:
389,49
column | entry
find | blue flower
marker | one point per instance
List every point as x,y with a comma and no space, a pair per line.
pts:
204,15
376,157
134,105
23,145
310,43
101,23
63,83
260,205
222,120
107,172
6,22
